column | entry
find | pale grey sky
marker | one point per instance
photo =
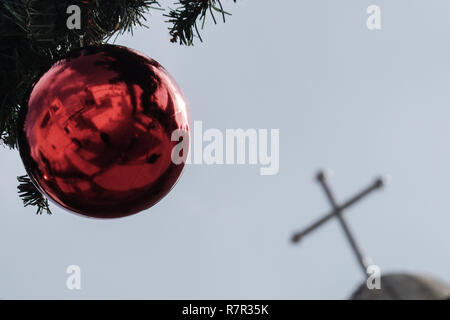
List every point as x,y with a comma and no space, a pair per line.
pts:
360,102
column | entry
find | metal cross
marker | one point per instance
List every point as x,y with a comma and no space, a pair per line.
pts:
337,212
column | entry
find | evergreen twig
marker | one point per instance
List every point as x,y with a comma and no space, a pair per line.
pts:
184,18
31,196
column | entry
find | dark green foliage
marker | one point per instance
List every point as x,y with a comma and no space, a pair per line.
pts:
184,18
33,35
31,196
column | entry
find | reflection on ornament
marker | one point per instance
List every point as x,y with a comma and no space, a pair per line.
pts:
96,134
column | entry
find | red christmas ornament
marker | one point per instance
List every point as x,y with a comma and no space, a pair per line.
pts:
96,134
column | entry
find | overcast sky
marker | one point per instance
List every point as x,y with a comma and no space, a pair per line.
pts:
360,102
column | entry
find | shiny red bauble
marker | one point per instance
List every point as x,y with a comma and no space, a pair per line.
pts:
95,136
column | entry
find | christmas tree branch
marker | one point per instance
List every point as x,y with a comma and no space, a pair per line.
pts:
184,18
31,196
